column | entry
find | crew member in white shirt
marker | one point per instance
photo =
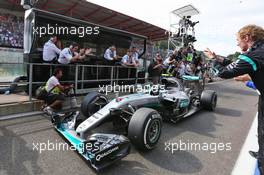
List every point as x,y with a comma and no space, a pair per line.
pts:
129,60
110,55
70,55
50,50
55,91
135,53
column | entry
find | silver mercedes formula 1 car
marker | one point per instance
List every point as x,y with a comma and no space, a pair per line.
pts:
140,115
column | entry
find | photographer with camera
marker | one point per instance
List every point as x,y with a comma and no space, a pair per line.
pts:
155,69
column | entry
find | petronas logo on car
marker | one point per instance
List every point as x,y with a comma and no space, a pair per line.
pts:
99,156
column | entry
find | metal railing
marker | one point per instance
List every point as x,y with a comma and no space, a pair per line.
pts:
85,78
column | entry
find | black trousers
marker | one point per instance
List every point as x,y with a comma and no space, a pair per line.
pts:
261,134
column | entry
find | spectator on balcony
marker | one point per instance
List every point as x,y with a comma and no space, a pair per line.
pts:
135,53
129,60
110,55
51,51
70,55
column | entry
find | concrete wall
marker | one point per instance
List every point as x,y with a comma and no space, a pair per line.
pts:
8,71
9,55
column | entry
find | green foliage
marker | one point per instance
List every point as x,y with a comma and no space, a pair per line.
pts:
162,44
233,56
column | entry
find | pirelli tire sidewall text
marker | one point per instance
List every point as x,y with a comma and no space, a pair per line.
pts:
139,128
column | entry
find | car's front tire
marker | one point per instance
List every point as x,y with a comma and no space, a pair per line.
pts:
144,128
93,102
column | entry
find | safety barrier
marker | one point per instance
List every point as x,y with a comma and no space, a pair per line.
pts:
85,78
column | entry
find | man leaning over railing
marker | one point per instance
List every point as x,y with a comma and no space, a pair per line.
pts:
70,55
129,60
51,50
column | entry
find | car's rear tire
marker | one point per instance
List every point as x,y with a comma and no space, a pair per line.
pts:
93,102
144,128
209,100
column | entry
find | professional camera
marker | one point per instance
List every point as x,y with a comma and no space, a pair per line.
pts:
189,22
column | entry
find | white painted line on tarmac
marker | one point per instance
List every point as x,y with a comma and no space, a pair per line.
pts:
245,163
27,114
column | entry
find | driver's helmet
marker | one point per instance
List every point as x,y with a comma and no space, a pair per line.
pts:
155,89
169,83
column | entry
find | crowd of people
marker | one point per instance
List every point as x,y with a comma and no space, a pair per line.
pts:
54,53
184,61
10,30
130,59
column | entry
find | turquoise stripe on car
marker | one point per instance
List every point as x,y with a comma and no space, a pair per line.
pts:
76,142
249,60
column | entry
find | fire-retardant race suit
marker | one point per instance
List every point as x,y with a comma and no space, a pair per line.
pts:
252,63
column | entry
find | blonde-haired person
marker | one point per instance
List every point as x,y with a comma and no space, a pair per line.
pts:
250,39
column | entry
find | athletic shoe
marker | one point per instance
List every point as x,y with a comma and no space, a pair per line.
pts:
48,110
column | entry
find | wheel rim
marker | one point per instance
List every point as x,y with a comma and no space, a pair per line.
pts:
154,131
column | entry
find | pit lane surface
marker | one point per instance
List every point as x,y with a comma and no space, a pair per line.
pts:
230,123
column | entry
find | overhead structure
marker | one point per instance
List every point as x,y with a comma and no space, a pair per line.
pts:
188,10
84,10
182,32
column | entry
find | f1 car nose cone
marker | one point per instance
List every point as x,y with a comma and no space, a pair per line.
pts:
81,128
90,123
